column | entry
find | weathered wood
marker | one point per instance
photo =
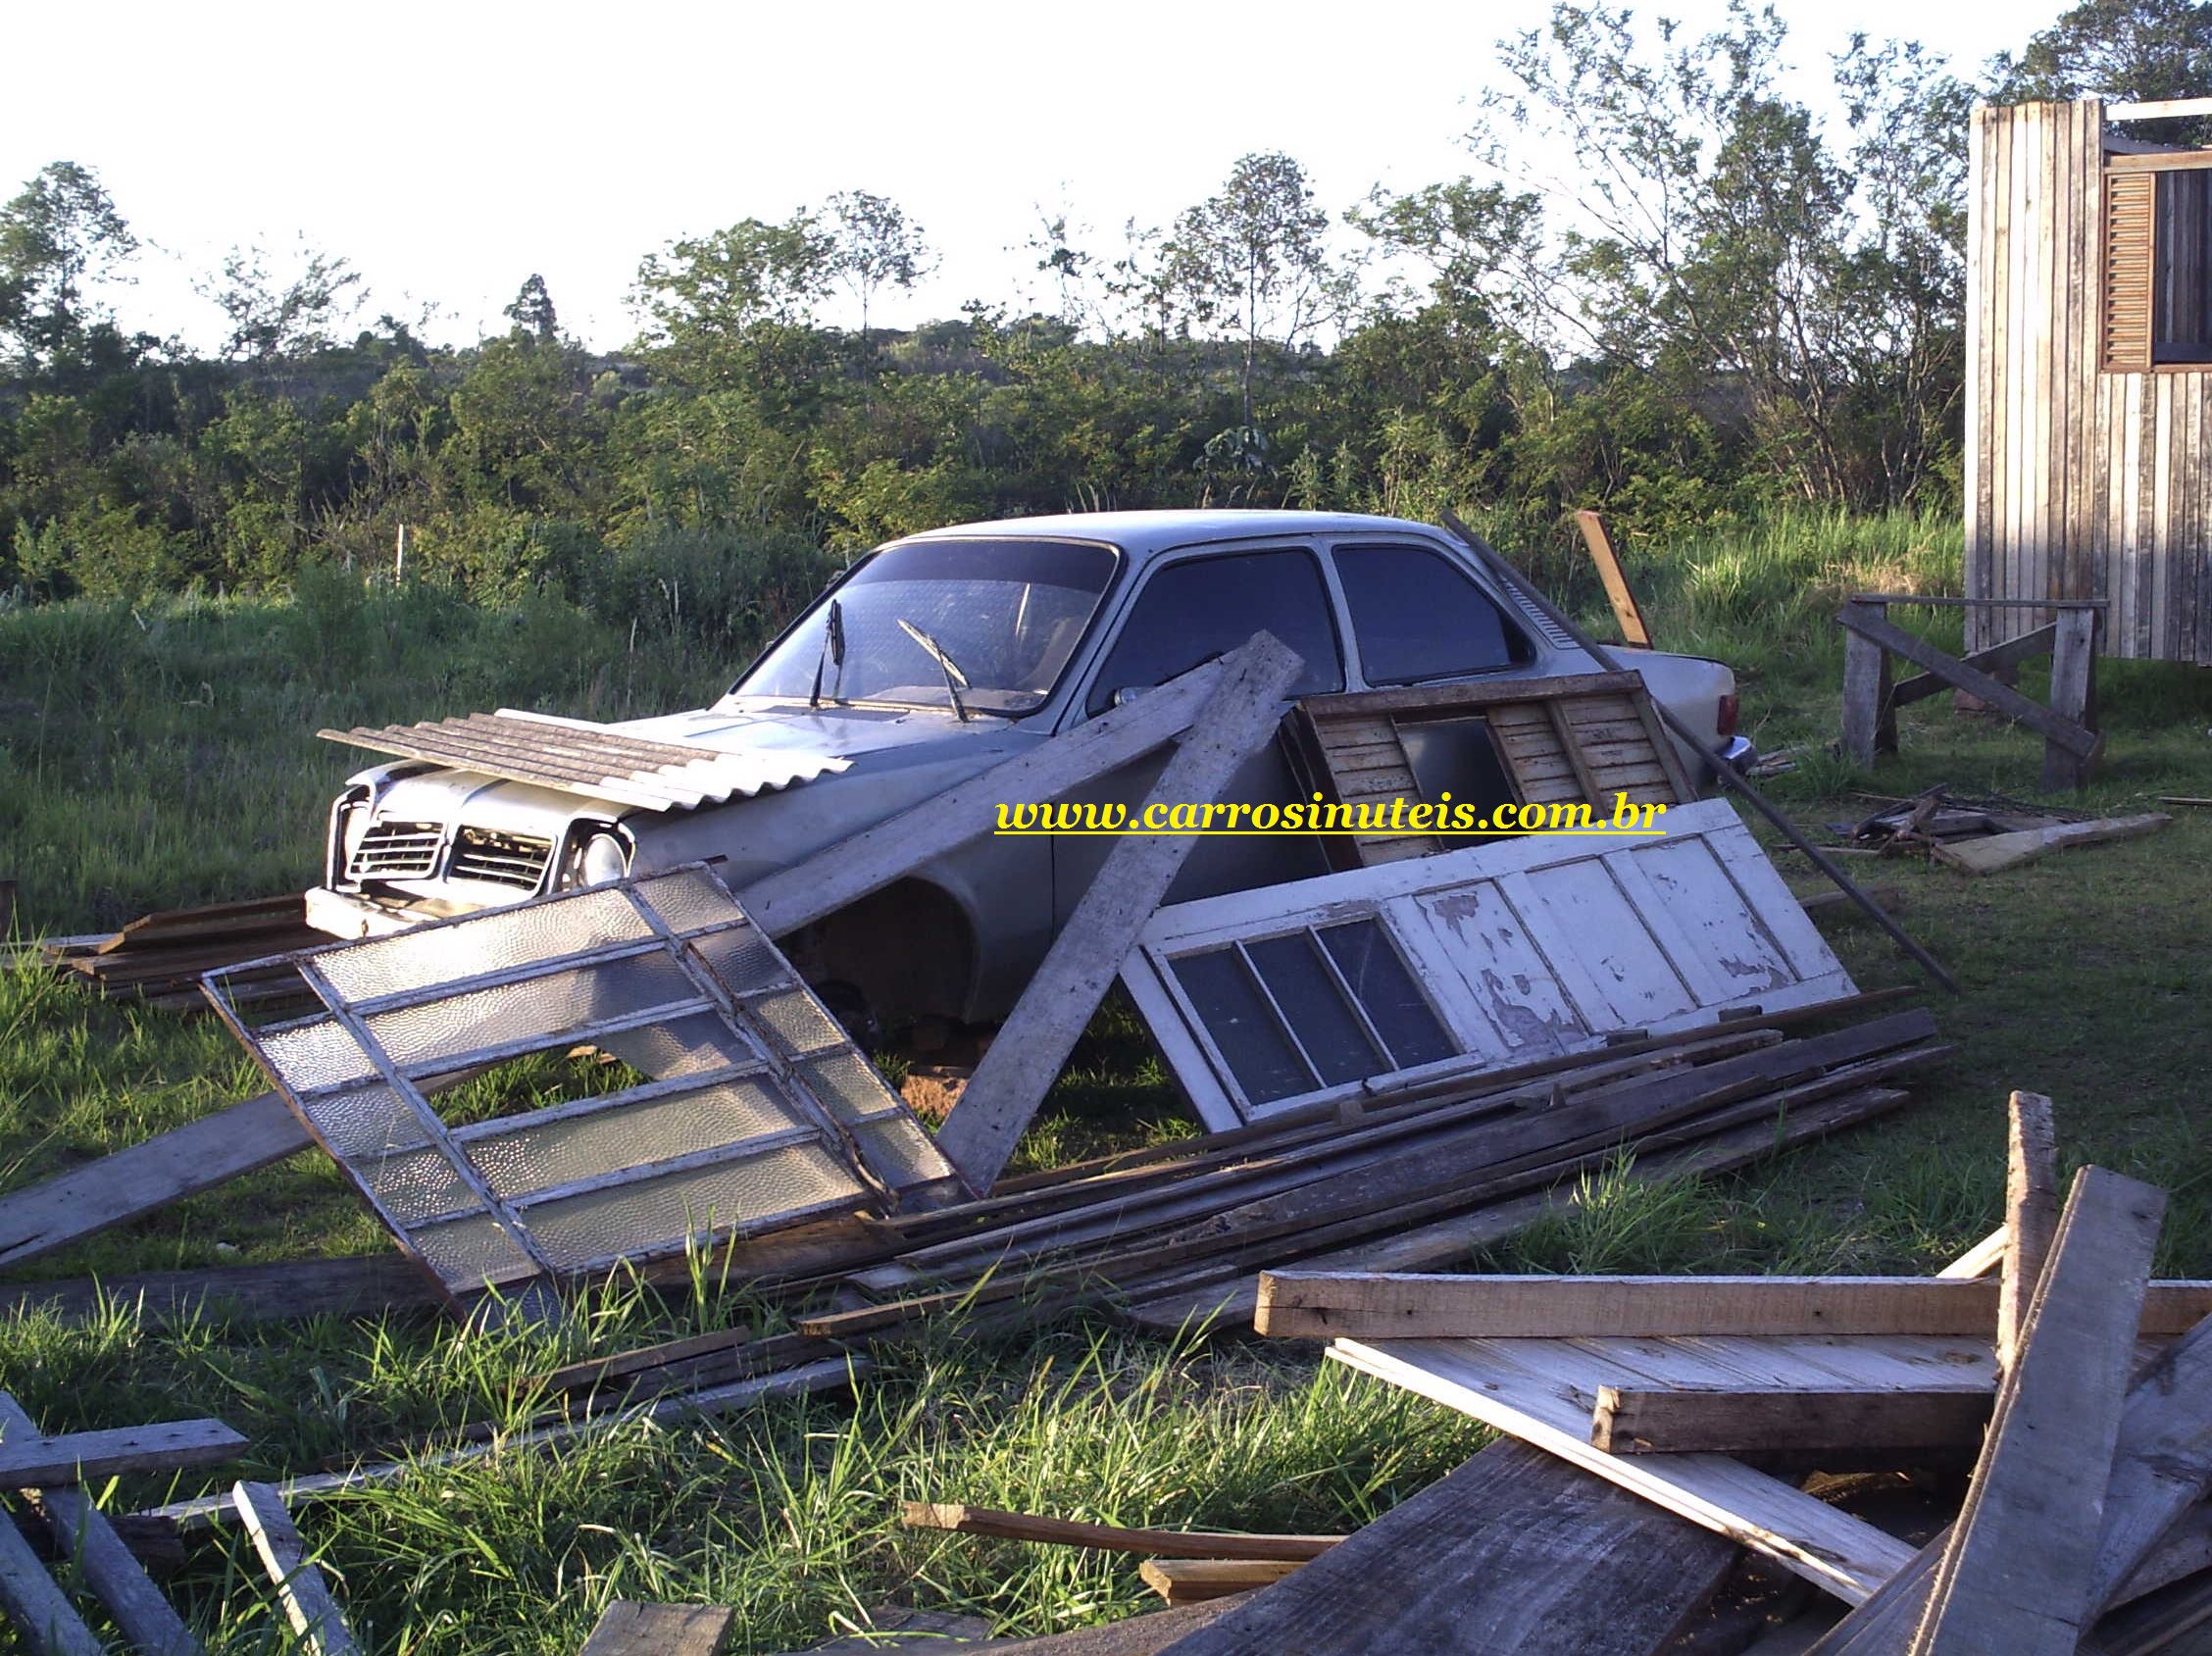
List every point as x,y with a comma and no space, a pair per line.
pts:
2073,697
1545,1399
1386,1305
1870,721
1511,1555
78,1457
1625,611
1789,1420
1998,660
628,1629
307,1605
1860,620
866,862
288,1290
168,1168
1032,1048
82,1533
2031,1214
1727,775
1194,1580
2155,1622
2018,1571
1159,1543
43,1617
1134,1635
2001,851
1984,1259
916,1632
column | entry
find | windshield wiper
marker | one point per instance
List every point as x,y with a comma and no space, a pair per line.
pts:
832,649
955,680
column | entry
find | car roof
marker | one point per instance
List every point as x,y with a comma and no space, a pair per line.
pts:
1141,533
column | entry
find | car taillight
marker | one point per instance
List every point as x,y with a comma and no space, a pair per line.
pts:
1724,719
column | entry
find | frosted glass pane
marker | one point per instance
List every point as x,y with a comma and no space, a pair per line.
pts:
368,1122
470,1252
488,942
559,1152
688,899
848,1085
683,1047
320,1054
552,1006
418,1184
900,1152
742,959
662,1213
797,1024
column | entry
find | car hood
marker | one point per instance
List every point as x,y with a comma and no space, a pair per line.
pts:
752,725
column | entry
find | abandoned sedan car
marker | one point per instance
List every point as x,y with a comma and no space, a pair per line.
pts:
940,655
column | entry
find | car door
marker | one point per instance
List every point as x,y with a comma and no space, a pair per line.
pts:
1190,609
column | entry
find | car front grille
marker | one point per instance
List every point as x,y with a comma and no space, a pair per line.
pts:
396,851
503,859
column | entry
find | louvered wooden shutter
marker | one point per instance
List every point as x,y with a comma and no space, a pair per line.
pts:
2130,234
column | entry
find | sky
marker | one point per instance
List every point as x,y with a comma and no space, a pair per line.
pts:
450,150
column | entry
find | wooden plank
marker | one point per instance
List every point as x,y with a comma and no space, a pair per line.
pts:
1194,1580
2073,695
307,1605
1394,1305
78,1457
866,862
43,1617
2017,1572
1789,1420
1625,611
1511,1555
1997,659
2087,744
131,1183
1159,1543
1483,1379
288,1290
2001,851
82,1534
2031,1214
1032,1046
1133,1636
1984,1259
629,1628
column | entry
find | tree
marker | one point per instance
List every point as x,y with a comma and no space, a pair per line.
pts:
703,297
875,245
272,316
1257,255
532,311
2136,51
60,233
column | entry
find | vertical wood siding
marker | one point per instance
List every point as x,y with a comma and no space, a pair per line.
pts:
2085,467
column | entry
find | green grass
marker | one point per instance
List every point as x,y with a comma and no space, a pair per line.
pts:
168,756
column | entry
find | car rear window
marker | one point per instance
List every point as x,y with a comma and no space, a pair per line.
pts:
1418,615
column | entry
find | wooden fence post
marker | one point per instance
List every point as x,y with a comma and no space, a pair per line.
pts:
1870,722
2073,695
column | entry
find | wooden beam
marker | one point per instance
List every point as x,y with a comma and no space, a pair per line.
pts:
2160,109
1194,1580
1031,1048
1997,659
1932,601
287,1290
1625,612
307,1605
1984,1259
1512,1552
131,1183
2000,851
2031,1215
1786,1421
866,862
1549,1409
1857,618
1359,1305
81,1532
2162,161
1159,1543
2018,1571
80,1457
1147,1634
628,1629
2073,697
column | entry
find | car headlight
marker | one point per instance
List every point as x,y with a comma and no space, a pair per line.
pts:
604,857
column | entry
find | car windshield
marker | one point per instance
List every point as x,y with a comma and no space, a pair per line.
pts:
1005,614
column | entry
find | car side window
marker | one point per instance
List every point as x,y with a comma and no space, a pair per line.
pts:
1416,616
1204,607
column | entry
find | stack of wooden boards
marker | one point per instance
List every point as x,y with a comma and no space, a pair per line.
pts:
159,958
1987,836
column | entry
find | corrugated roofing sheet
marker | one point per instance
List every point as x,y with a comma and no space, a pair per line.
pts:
593,760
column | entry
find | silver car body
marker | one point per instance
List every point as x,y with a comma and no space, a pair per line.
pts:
961,937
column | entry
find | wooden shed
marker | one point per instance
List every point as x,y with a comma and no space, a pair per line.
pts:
2088,340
